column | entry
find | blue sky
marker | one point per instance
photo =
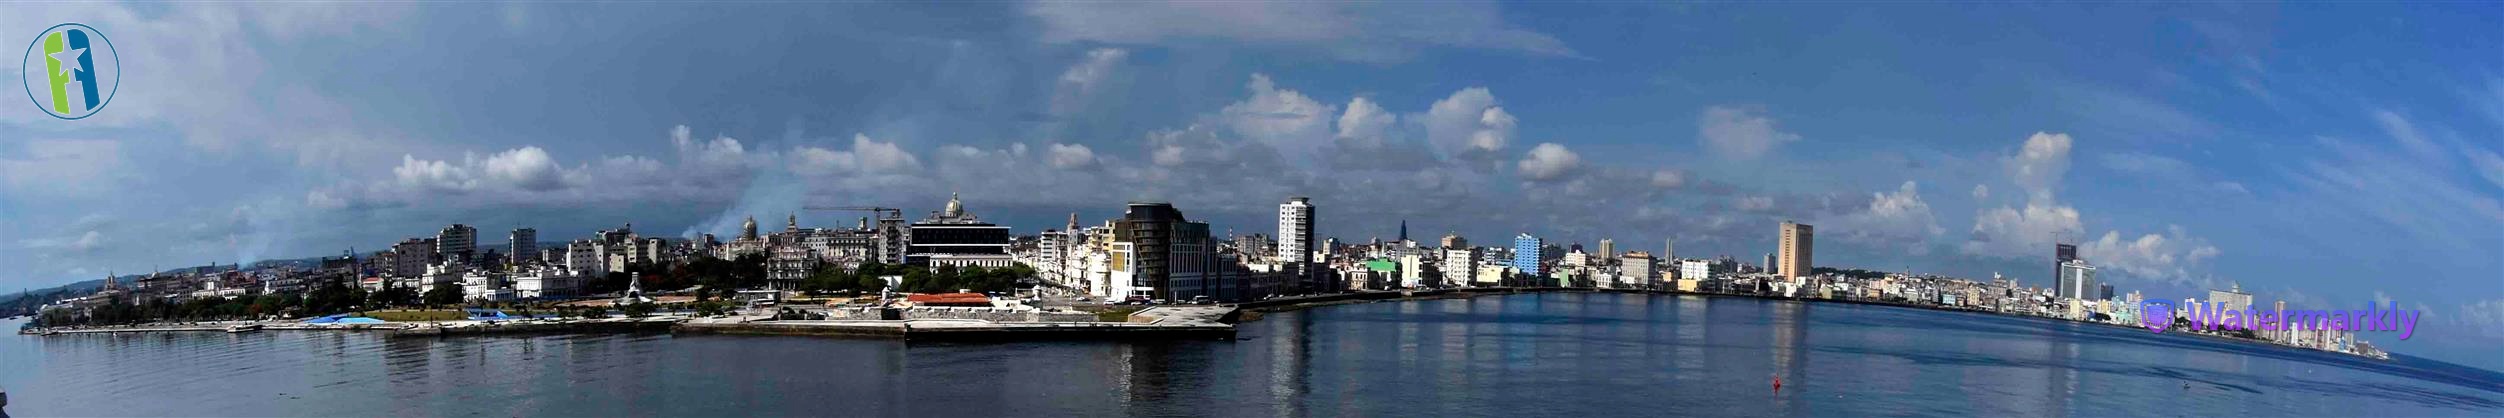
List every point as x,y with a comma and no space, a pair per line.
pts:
2327,155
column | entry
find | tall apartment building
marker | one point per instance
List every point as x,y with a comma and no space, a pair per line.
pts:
1799,243
1295,239
1166,251
1526,254
2076,280
410,257
457,242
525,246
1608,252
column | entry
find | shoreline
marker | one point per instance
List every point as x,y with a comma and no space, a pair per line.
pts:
1253,311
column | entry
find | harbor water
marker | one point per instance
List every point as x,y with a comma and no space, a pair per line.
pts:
1554,354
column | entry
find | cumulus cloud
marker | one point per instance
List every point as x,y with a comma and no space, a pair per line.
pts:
528,168
2172,256
1358,32
1365,119
1740,132
1891,220
2039,165
1469,123
2025,232
1982,192
1283,119
1549,161
1071,156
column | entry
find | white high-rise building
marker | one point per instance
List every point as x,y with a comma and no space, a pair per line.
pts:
1295,230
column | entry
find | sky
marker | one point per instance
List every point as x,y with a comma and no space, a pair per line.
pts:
2328,155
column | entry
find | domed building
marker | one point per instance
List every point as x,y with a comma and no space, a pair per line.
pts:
951,236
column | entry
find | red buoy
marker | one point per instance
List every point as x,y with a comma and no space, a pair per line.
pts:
1777,382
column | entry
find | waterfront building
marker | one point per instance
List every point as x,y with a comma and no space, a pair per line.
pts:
1698,269
410,257
1458,264
2232,298
1295,238
457,242
525,243
586,257
787,265
1162,251
1413,271
1492,275
1636,266
2076,280
955,237
1797,246
747,243
1526,254
2104,291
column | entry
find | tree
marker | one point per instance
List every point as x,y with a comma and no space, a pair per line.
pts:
638,309
444,294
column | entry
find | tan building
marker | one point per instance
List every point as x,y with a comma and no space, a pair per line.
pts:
1798,243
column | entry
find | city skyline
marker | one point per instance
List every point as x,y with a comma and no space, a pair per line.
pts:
2183,152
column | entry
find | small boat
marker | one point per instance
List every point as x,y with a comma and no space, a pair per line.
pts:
243,328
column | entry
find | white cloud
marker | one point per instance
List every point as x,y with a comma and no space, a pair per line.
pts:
1669,179
1364,120
2487,164
2175,256
2019,233
229,92
1284,119
428,176
1756,203
1549,161
1892,220
1740,132
528,168
867,156
2039,165
1469,122
1071,156
1079,84
1387,32
1982,192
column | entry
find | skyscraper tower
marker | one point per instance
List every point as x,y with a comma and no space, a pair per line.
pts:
1608,251
1669,250
1798,243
